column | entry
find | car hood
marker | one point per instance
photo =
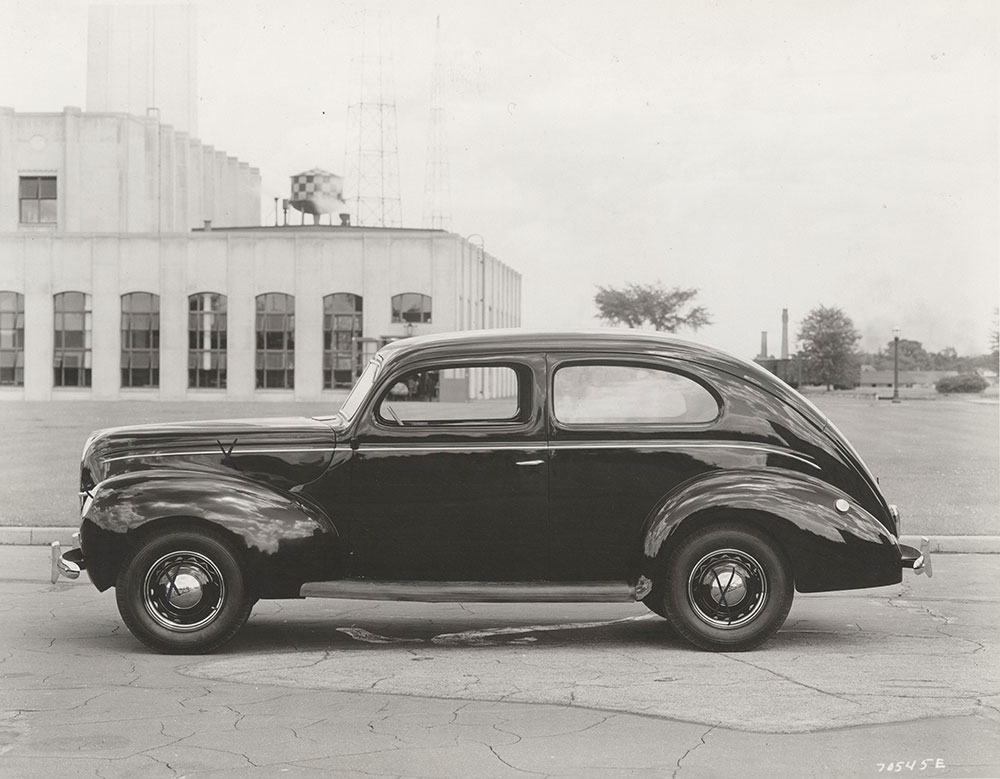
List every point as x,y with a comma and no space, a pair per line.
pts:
283,451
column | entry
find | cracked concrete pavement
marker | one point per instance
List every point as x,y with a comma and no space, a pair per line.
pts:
901,679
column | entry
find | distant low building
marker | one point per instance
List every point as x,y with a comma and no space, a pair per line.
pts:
789,370
909,379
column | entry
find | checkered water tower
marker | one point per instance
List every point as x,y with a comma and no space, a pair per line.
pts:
319,192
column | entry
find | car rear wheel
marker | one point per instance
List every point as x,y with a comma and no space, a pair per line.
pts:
183,592
727,588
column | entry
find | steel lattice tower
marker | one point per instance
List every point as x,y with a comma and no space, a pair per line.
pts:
437,183
372,164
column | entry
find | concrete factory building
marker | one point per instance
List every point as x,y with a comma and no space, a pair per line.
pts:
132,264
130,267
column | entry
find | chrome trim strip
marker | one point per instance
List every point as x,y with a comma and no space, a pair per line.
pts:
489,447
766,448
498,446
556,445
237,451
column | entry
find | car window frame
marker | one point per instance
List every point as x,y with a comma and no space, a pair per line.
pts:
524,419
556,362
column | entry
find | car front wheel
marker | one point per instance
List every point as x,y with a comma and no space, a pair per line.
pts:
183,592
727,588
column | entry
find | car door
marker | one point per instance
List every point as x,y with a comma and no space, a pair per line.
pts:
449,474
621,434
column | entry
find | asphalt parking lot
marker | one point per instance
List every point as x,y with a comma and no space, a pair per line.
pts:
901,679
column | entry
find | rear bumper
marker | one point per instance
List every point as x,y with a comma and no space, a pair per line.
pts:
918,560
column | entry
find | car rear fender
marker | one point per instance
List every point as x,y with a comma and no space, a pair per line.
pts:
284,540
830,542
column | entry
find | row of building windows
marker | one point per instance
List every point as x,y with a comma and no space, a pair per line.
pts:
207,338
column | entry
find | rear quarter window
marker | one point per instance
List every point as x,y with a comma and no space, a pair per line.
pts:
597,394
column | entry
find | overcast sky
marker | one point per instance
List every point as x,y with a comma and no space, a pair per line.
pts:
781,154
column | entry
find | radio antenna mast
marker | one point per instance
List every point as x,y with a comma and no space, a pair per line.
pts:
437,184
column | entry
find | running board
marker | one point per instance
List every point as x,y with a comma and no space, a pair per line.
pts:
473,592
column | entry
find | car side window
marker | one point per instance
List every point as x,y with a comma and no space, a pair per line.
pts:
453,395
606,394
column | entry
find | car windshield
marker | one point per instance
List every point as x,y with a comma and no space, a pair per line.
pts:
359,392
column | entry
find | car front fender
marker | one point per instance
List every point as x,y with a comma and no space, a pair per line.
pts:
830,542
284,540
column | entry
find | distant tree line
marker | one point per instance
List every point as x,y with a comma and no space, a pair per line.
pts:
913,357
828,353
827,341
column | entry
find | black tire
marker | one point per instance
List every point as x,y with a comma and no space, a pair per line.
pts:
727,588
183,592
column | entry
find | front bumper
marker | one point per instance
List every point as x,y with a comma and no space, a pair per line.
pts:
919,560
68,563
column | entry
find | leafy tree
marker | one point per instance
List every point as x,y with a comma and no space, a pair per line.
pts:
651,305
912,357
828,338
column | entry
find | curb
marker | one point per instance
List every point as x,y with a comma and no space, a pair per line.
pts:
44,536
37,536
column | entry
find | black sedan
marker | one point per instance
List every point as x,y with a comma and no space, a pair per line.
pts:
496,466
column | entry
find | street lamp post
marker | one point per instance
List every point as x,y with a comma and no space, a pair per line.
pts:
895,365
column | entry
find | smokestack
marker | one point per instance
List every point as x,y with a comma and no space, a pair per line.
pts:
784,334
763,344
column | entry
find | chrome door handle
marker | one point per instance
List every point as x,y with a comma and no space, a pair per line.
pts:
529,462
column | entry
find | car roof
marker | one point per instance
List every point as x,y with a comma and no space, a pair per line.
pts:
519,339
597,340
600,340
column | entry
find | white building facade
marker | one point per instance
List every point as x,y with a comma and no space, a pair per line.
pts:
132,266
243,314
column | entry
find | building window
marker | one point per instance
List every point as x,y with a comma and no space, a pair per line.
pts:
11,339
72,329
275,341
207,340
411,307
38,199
342,327
140,340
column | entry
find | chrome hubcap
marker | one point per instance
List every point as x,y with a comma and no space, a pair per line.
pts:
183,591
727,588
186,590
